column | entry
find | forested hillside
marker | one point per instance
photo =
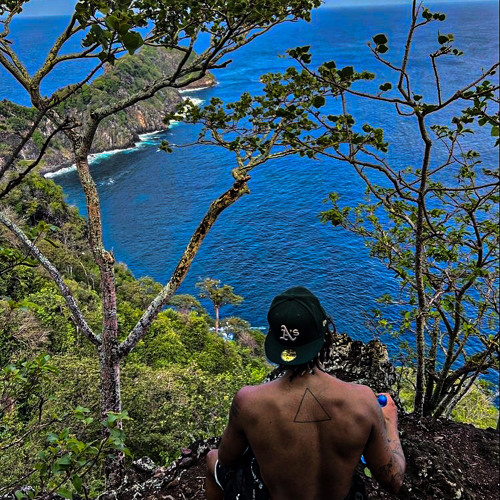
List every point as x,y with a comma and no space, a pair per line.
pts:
177,384
121,130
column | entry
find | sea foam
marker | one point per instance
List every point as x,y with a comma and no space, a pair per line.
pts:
144,140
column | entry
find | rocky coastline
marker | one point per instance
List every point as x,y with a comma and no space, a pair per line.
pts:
118,132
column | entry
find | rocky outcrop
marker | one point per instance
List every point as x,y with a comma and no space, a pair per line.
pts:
354,361
119,131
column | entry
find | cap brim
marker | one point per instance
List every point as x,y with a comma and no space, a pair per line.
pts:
285,355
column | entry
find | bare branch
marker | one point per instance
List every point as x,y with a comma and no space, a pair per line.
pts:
56,277
233,194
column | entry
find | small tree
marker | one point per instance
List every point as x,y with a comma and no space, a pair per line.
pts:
219,295
186,303
434,223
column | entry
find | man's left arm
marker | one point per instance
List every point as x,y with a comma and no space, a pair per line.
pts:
234,441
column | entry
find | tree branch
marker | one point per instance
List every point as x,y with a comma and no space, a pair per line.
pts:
233,194
56,277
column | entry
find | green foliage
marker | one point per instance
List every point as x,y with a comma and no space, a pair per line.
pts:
219,295
162,346
40,199
38,139
186,303
476,407
60,460
172,407
50,309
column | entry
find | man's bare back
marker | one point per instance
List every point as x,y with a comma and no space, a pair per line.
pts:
307,434
308,430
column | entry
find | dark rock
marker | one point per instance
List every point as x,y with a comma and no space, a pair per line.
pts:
144,464
368,364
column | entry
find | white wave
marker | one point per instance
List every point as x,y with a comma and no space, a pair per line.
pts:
105,154
144,139
195,100
148,135
193,89
61,171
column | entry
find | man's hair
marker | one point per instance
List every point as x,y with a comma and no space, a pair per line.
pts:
315,363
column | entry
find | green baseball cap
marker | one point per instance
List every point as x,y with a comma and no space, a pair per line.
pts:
297,327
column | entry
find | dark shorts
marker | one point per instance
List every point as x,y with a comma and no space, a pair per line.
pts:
244,482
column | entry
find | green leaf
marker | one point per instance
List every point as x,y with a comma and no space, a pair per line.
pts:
103,56
382,49
65,493
318,101
385,86
77,483
112,22
380,39
443,39
346,72
494,131
132,41
62,464
426,14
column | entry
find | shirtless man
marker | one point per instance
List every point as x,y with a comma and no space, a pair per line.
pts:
306,429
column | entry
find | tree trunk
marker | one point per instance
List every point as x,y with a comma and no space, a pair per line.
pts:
217,309
111,402
431,369
419,273
109,357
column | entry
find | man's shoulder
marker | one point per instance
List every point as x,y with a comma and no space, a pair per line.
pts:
249,395
358,391
251,391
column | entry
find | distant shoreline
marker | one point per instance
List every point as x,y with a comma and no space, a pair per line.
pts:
51,171
63,168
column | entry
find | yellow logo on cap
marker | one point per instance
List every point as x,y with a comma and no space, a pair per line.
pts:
288,355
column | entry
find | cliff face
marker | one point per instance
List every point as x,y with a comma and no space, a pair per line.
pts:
119,131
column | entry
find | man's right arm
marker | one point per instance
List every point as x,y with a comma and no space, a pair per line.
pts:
383,453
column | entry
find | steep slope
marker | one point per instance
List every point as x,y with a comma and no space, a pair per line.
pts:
445,459
121,130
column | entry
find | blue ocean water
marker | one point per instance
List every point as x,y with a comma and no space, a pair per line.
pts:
271,239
